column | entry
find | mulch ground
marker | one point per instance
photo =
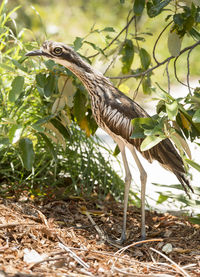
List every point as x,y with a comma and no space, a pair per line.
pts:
66,238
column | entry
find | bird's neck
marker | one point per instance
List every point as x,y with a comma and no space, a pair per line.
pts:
90,77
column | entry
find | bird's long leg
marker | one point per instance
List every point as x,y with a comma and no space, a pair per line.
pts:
143,179
128,178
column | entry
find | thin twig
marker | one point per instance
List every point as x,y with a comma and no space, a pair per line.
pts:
120,251
138,47
137,243
15,224
137,89
47,260
115,38
188,71
121,46
128,273
114,58
175,73
72,254
156,266
154,47
99,231
43,218
158,65
181,270
168,77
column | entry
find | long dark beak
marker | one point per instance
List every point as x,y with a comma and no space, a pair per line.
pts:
38,52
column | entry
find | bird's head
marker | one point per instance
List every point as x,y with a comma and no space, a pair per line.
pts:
62,54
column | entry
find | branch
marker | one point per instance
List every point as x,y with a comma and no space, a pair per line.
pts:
168,77
154,47
125,28
188,70
175,73
156,66
121,46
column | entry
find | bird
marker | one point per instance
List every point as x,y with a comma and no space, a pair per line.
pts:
113,112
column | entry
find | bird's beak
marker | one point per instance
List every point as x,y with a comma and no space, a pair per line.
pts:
38,52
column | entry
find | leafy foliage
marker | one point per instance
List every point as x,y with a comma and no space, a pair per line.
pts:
41,144
127,55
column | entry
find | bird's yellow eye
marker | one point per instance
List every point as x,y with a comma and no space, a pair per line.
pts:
57,51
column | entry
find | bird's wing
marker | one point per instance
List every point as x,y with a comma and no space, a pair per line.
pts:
117,114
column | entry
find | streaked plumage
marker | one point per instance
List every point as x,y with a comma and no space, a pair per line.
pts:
113,112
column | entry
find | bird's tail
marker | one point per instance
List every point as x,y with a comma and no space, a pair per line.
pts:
184,181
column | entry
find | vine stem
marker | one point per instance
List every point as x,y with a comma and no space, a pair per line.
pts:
158,38
115,38
157,65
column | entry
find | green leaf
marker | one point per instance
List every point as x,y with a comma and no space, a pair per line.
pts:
116,151
150,142
18,65
41,79
157,130
94,46
196,116
195,220
6,67
127,53
193,164
173,186
144,121
174,43
2,6
38,128
50,64
145,58
122,1
162,198
140,38
43,120
27,154
138,6
146,85
160,107
6,17
78,43
172,110
4,142
139,124
15,133
178,19
17,87
79,105
154,8
138,132
161,94
108,29
60,127
37,125
195,34
49,145
50,86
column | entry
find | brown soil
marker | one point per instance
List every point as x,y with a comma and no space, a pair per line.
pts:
68,239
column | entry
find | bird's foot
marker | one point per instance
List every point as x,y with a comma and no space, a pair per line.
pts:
118,242
143,237
121,240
